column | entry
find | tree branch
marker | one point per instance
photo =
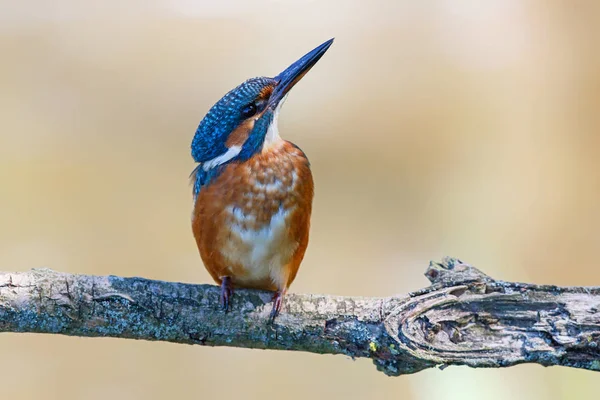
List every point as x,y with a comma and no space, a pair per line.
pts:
463,318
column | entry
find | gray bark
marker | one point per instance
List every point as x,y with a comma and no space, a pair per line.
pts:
463,318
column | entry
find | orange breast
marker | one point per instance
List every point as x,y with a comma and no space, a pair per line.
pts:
251,223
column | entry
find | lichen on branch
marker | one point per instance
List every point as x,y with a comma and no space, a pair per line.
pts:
463,318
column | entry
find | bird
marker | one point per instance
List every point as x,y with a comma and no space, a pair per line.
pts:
252,190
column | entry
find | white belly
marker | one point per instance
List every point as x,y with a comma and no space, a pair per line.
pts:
262,252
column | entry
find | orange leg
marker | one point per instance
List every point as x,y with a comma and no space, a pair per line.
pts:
277,303
226,292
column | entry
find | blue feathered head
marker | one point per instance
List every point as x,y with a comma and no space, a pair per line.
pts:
235,128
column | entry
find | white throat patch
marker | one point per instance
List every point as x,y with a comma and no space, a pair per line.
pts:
272,135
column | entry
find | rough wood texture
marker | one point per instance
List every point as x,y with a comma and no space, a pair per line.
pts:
463,318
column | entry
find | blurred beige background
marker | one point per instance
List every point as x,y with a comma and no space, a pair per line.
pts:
435,128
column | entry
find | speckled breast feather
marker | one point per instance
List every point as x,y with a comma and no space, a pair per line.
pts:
252,221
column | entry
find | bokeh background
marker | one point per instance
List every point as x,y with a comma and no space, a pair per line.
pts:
434,128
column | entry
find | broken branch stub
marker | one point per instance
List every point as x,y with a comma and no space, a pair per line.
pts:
467,318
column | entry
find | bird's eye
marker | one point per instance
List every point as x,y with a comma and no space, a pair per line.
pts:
249,110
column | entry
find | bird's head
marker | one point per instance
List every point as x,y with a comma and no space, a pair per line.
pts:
245,119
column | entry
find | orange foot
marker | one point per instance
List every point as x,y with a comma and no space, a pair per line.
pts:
277,303
226,292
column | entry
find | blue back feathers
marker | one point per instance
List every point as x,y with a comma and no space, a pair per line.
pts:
199,177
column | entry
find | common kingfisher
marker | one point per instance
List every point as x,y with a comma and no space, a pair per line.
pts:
253,190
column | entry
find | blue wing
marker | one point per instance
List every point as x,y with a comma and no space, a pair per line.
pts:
199,177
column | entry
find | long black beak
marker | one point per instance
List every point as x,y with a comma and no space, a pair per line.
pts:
288,78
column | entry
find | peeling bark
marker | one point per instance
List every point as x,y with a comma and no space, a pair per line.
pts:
463,318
